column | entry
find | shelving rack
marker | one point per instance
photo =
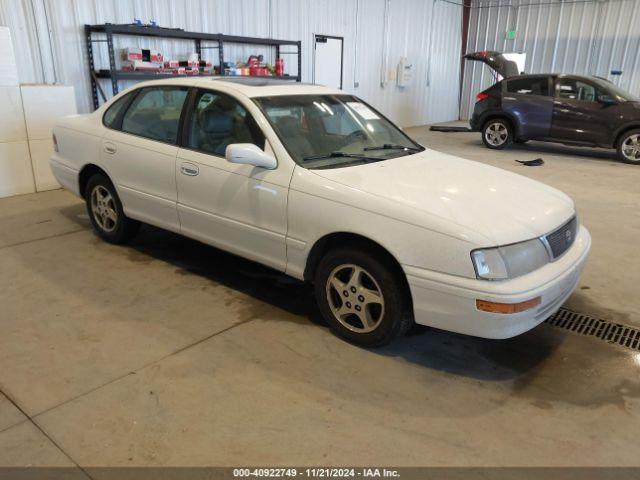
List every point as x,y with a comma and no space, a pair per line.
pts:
219,40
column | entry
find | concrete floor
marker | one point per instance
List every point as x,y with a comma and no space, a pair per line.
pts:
168,352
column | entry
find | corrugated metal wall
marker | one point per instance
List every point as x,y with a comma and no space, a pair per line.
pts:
50,40
582,37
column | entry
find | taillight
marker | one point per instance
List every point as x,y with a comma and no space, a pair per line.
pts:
55,144
482,96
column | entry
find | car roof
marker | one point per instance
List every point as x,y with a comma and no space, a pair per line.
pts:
559,75
249,86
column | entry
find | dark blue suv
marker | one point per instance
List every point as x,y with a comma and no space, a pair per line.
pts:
569,109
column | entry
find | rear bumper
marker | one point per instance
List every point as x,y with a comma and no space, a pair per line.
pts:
449,303
66,176
474,123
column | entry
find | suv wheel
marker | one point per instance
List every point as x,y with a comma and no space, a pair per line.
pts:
629,147
361,298
105,211
497,133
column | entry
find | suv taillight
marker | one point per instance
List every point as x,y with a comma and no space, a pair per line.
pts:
482,96
55,144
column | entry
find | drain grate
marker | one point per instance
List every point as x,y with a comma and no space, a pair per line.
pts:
623,335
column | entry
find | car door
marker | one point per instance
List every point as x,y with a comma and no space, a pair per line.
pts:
239,208
529,100
140,152
578,115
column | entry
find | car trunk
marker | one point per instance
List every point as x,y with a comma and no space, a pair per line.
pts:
495,60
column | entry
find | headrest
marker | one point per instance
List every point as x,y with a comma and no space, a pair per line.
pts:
289,125
215,122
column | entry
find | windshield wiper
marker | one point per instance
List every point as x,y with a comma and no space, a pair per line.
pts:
390,146
338,155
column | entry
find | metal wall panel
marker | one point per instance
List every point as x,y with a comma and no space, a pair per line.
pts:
582,37
427,32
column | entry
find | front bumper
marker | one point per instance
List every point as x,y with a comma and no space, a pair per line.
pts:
449,302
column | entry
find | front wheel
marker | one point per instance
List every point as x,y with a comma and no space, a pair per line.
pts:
497,134
105,211
629,147
362,299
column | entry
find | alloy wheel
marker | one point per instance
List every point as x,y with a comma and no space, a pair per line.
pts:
103,209
631,148
496,134
355,298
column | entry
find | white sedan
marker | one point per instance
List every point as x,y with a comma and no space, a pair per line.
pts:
317,184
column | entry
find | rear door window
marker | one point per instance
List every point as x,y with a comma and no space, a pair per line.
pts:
529,86
155,113
113,115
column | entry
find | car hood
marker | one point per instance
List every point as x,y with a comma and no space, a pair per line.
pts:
501,206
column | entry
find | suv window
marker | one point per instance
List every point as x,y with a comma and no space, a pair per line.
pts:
219,120
112,114
572,89
155,113
529,86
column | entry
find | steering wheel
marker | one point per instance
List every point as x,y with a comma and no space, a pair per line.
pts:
354,136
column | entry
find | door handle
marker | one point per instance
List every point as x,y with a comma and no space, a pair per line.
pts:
110,148
509,98
189,169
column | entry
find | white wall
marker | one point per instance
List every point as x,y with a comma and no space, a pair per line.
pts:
49,37
586,38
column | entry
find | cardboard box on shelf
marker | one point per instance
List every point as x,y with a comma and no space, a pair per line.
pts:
143,54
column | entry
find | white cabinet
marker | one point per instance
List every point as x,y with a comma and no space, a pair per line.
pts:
8,68
12,126
16,175
44,105
41,151
27,116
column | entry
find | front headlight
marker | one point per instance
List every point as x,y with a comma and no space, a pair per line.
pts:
509,261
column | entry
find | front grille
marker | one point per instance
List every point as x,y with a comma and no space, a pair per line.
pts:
561,239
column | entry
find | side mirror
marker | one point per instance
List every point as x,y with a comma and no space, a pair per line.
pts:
606,100
249,154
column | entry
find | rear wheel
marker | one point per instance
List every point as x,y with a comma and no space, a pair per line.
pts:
362,299
629,147
497,133
105,211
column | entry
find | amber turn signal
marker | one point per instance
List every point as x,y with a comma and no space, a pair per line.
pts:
495,307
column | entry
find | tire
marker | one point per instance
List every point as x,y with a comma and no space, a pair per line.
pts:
380,317
105,211
497,133
629,147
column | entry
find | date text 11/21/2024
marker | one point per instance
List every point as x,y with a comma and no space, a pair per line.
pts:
320,472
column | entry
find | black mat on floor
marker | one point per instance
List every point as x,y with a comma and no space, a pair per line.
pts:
446,128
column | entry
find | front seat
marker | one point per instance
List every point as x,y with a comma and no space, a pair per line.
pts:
290,129
216,131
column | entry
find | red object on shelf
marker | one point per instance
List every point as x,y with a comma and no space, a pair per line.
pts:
279,67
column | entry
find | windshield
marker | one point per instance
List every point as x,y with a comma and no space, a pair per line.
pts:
619,94
329,131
